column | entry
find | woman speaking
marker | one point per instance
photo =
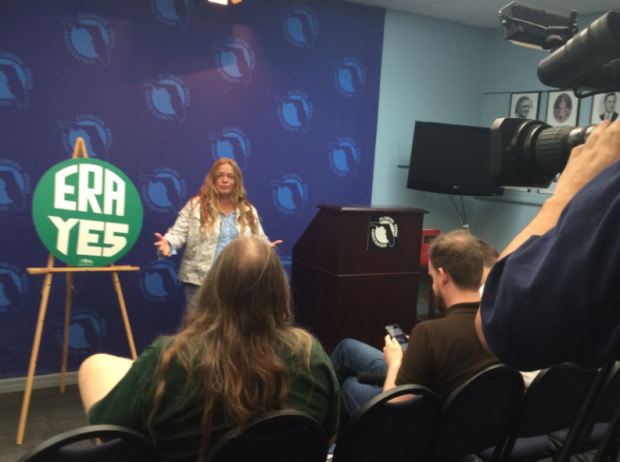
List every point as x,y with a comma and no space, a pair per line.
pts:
220,213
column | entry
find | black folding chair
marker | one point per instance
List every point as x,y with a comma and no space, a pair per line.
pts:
122,445
478,414
281,436
381,431
551,403
594,418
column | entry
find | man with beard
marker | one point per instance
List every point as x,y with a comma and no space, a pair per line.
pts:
441,353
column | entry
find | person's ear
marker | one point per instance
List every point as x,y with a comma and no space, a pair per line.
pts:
443,277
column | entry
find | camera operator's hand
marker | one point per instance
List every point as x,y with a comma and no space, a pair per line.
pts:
601,149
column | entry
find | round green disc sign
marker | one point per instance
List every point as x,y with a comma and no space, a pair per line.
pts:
87,212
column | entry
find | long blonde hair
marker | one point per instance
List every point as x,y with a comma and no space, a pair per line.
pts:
209,199
228,342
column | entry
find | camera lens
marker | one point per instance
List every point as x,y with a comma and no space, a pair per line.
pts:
530,152
555,144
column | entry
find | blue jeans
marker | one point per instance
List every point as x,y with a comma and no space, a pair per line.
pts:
191,291
350,358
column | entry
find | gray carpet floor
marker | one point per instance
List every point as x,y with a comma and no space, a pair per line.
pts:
50,414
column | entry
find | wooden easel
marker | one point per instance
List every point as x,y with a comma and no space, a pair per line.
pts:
49,270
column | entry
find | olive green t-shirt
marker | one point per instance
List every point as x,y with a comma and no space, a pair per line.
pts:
177,425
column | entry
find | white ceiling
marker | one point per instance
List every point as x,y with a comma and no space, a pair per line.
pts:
484,13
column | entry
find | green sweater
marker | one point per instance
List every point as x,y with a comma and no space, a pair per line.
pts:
177,424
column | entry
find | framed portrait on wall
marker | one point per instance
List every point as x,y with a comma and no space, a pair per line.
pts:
562,108
605,107
524,105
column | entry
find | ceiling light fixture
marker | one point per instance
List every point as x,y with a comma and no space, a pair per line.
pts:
224,2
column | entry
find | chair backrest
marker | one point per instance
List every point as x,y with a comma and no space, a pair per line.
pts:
395,432
122,445
551,403
553,400
478,414
596,412
610,396
281,436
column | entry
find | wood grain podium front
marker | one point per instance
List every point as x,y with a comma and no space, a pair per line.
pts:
355,270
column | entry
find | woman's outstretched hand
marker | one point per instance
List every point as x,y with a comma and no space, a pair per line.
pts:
163,245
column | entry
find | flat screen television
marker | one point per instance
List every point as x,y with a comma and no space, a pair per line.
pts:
451,159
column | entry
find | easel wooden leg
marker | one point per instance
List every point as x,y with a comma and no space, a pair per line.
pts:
47,284
121,300
65,346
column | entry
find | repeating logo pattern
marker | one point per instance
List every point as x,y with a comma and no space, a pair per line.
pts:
350,77
167,97
158,283
290,194
344,157
89,39
384,232
164,190
231,143
174,13
300,26
87,328
235,60
97,137
295,111
15,185
15,81
13,287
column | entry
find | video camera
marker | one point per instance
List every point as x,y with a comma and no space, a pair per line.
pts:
530,152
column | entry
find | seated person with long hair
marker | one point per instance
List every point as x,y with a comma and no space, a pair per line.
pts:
237,356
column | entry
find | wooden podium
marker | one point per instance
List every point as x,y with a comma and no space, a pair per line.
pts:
355,270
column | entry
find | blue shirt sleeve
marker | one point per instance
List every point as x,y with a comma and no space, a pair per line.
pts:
557,297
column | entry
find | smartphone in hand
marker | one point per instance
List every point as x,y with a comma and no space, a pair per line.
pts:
397,333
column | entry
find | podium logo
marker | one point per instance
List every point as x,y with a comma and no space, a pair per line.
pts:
172,13
89,39
13,287
159,282
384,232
231,143
86,330
295,111
350,77
290,194
15,81
235,61
344,157
15,185
167,97
164,191
87,212
97,138
300,26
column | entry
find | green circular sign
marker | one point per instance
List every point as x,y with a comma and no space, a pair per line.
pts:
87,212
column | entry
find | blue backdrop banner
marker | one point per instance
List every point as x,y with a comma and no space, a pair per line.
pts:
161,89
